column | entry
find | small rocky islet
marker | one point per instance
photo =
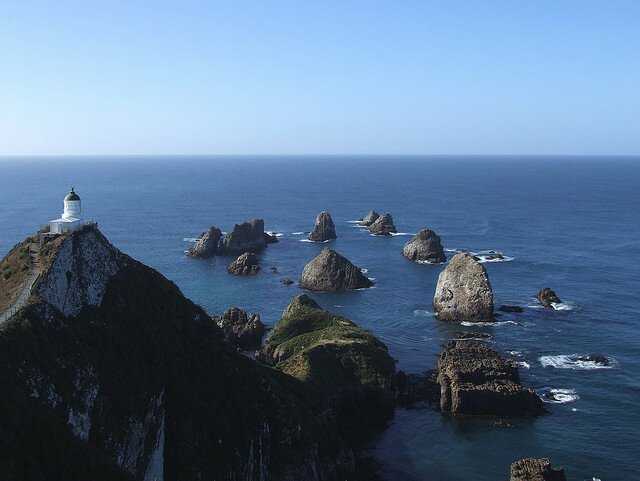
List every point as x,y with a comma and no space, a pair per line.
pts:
331,272
324,229
425,246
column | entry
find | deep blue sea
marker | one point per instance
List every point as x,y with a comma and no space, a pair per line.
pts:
570,223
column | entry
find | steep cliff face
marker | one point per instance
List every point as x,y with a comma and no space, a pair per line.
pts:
109,372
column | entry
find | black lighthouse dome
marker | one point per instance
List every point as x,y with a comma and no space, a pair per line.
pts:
72,195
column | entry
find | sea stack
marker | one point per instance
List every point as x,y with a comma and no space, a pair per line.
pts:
383,225
474,379
206,245
242,330
245,237
547,297
369,219
535,470
324,228
331,272
463,292
425,247
245,265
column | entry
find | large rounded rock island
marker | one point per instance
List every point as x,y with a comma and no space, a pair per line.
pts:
331,272
425,247
463,292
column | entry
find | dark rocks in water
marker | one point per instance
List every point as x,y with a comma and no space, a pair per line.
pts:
270,238
206,245
383,225
345,364
369,219
245,265
414,388
274,269
324,228
287,281
462,335
535,470
331,272
474,379
493,256
463,292
425,247
241,330
597,358
547,297
506,308
245,237
501,423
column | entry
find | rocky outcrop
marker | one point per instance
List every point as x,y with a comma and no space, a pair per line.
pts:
369,219
245,237
474,379
547,297
463,291
110,373
242,331
383,225
595,358
324,228
342,362
245,265
287,282
535,470
331,272
270,238
206,245
425,246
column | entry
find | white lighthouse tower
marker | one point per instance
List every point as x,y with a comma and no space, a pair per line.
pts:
71,219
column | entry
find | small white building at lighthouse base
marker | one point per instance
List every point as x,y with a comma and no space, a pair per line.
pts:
71,219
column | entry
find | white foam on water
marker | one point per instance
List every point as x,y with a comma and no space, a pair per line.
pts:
316,242
353,222
189,239
401,233
483,258
516,353
297,233
371,278
524,364
276,234
560,396
481,323
562,306
422,312
429,263
363,270
571,361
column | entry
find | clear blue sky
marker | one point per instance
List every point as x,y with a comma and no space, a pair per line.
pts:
118,77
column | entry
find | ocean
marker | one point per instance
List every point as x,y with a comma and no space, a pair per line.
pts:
569,223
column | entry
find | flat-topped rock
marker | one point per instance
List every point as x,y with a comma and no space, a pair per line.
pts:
547,297
331,272
425,246
463,291
245,265
245,237
206,245
383,225
474,379
369,219
242,330
324,228
535,470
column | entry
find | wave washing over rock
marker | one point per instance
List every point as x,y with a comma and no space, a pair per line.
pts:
576,362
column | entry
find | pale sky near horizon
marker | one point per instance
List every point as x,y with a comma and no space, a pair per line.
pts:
270,77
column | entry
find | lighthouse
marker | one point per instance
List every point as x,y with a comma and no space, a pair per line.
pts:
71,219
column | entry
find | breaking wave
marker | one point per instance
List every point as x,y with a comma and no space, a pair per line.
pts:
189,239
481,323
573,361
557,396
